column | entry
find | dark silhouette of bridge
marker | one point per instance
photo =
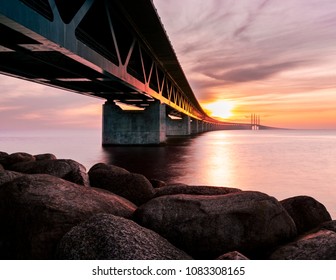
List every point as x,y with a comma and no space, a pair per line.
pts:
117,50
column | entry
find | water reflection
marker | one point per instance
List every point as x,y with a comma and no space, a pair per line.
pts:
205,159
160,162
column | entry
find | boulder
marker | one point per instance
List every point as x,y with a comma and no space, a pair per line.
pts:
45,157
232,256
37,210
306,212
3,156
66,169
208,226
107,237
132,186
7,176
14,158
320,245
112,169
195,190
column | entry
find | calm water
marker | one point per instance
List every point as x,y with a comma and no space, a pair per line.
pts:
281,163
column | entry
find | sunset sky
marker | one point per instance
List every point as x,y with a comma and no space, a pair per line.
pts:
274,58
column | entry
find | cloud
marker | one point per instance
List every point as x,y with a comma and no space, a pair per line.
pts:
242,48
9,108
252,16
255,73
29,105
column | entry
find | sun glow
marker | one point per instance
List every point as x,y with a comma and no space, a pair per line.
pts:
220,109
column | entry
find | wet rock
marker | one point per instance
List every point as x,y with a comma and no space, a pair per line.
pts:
14,158
208,226
132,186
45,157
306,212
114,238
320,245
37,210
7,176
195,190
232,256
66,169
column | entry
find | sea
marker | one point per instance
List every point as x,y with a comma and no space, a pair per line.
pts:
281,163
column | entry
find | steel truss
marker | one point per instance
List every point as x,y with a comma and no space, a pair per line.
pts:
92,47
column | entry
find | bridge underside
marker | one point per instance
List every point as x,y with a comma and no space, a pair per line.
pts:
116,50
25,58
112,49
25,54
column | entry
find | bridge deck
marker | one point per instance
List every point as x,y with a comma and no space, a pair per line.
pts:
112,49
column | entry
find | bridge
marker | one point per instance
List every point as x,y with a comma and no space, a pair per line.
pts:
117,50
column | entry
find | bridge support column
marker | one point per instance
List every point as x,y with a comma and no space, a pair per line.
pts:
203,127
130,127
195,126
178,127
206,127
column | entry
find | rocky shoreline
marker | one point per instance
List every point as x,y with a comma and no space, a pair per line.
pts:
53,209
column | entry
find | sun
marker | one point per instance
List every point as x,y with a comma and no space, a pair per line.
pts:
220,109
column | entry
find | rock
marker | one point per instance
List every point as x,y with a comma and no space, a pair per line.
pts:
7,176
331,225
132,186
208,226
157,183
45,157
232,256
112,169
3,156
1,168
306,212
66,169
195,190
37,210
114,238
315,246
16,158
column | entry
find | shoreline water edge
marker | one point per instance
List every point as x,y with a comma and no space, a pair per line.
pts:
54,209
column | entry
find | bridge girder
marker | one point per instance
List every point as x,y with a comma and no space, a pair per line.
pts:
108,49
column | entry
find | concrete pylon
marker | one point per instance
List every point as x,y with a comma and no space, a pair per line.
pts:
194,126
178,127
146,127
